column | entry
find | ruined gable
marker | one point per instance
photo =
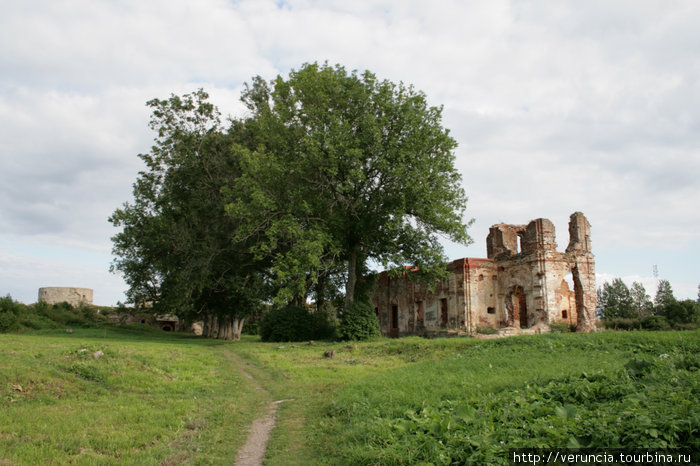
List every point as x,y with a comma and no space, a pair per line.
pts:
521,286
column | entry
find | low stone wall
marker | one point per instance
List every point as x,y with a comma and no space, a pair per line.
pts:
70,295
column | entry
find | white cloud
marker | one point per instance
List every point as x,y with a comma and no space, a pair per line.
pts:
557,107
24,274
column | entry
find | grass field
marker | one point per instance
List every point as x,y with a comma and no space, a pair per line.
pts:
158,398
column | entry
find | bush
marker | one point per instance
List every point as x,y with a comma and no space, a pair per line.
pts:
486,330
359,322
8,322
655,323
561,327
15,316
293,323
620,323
684,326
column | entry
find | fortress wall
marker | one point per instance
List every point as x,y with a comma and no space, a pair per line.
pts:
70,295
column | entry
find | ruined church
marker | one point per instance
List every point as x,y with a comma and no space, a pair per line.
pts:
521,287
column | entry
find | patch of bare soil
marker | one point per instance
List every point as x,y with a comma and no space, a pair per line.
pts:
253,452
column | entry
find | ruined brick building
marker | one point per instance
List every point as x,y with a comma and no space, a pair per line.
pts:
521,285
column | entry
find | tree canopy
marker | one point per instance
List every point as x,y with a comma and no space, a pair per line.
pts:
328,172
615,300
175,249
345,169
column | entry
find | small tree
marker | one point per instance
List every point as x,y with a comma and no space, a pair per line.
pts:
641,301
617,300
664,297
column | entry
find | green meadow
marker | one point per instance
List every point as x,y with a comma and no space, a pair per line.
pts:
160,398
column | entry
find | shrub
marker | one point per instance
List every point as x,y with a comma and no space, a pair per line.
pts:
620,323
8,305
293,323
684,326
359,322
486,330
15,316
655,323
8,322
561,327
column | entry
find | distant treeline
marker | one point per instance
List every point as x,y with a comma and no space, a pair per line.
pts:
632,308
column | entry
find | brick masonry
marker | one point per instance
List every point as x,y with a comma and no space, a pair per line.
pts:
522,284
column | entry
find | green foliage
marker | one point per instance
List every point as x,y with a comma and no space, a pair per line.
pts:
608,390
655,323
621,323
15,316
359,322
616,300
682,316
342,168
664,297
561,327
641,300
294,323
682,312
486,330
175,247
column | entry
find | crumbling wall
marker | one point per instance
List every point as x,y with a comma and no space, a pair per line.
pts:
408,306
521,285
582,264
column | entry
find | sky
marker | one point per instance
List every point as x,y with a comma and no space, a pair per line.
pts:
557,107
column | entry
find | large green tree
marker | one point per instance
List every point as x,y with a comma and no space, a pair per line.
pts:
176,249
341,169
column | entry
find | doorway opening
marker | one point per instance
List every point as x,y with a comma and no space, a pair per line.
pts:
519,303
443,312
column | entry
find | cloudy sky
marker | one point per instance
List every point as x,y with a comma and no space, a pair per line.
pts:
557,107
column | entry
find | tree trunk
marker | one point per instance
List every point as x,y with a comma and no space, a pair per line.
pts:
237,328
320,290
205,325
352,277
212,326
223,328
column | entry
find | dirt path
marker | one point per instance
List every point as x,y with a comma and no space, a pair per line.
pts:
253,452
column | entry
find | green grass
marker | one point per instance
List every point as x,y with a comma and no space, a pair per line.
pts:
152,397
165,398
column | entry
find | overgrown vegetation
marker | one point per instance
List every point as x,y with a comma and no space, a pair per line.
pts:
359,322
556,391
18,317
294,323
